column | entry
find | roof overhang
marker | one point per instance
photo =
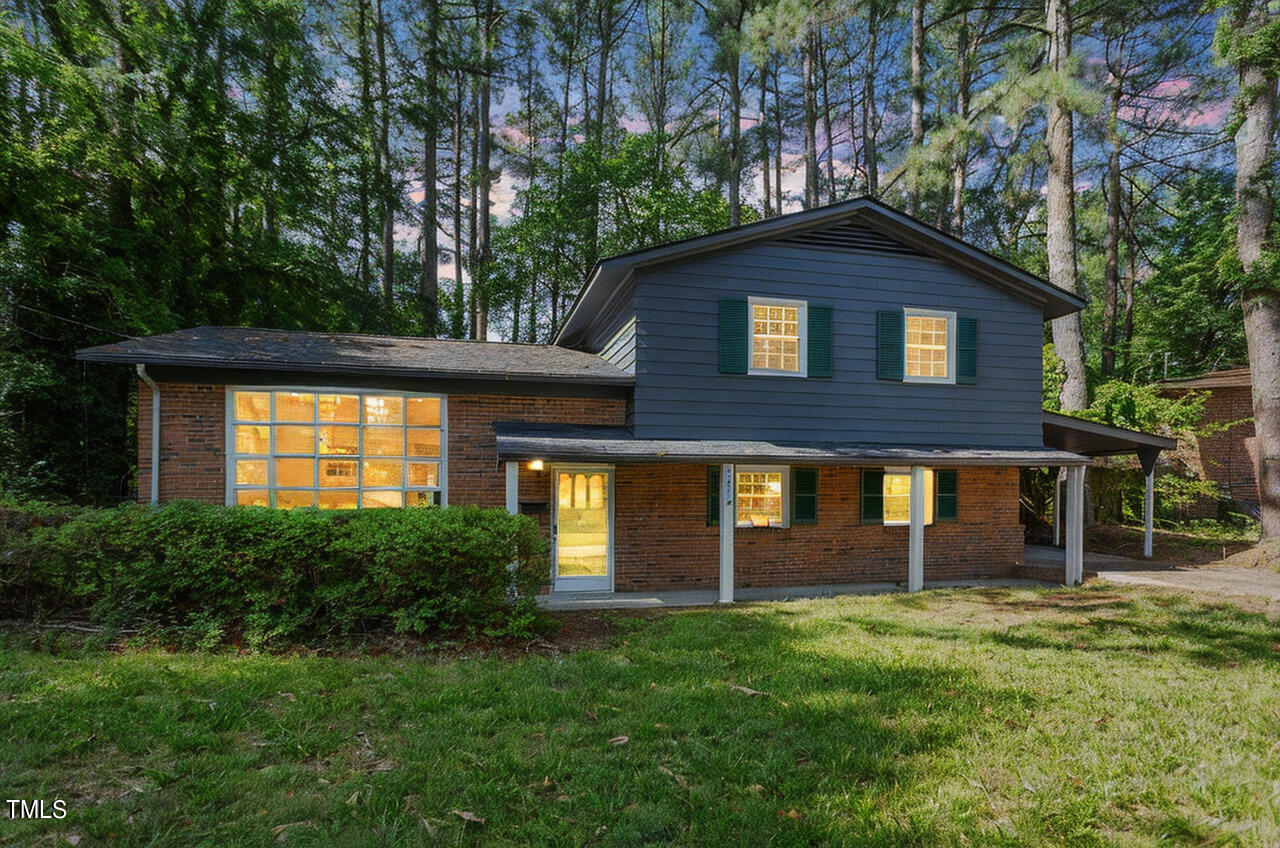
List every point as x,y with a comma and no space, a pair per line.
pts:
1090,438
521,441
609,275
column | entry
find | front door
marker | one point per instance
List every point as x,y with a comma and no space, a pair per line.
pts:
582,529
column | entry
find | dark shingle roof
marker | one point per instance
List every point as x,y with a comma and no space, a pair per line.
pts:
343,353
518,441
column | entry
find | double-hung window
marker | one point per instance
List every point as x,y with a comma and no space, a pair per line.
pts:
761,496
930,346
778,336
334,449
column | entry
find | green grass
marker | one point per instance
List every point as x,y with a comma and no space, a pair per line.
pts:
1002,717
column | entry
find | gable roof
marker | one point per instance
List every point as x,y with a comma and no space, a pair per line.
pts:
250,348
847,224
1212,380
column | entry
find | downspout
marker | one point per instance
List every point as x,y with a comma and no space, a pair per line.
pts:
155,431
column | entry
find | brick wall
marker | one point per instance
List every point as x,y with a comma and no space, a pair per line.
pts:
475,475
1225,458
661,540
192,442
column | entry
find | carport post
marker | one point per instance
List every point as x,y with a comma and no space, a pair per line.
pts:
1057,507
728,516
1148,457
1075,526
915,550
1148,508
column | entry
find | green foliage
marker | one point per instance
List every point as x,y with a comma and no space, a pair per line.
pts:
1144,407
273,576
1055,374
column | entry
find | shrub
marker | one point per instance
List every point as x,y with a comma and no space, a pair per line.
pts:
272,575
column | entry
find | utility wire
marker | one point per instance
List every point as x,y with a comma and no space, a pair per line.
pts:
73,321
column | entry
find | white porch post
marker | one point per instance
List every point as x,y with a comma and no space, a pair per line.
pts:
1148,508
728,515
915,551
1057,507
513,487
1075,526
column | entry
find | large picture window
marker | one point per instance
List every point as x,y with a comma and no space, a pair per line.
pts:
335,449
897,496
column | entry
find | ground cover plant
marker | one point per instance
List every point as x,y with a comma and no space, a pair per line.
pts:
1100,716
1192,542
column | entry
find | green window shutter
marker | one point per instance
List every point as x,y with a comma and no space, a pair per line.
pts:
966,350
713,495
804,496
820,341
734,337
890,344
945,495
873,496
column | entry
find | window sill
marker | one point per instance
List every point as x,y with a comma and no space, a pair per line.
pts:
760,373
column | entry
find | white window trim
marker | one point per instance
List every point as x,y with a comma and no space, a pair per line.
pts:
786,495
802,321
230,421
905,470
950,379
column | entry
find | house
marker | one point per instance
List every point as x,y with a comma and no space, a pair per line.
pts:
834,396
1227,453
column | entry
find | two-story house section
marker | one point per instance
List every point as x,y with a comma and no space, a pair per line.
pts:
837,396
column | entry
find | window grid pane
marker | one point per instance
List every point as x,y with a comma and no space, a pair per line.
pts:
897,497
334,450
775,337
927,346
759,498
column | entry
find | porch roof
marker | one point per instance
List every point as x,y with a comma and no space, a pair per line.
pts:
1090,438
569,443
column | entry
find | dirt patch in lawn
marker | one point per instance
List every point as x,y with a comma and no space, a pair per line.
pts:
1167,546
1264,555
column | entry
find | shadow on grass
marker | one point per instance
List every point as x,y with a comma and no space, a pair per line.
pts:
741,728
1218,635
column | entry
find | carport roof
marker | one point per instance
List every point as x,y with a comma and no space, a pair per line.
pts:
1090,438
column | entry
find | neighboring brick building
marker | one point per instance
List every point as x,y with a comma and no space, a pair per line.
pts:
835,396
1226,455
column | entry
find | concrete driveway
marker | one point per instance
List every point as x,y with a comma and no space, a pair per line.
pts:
1255,583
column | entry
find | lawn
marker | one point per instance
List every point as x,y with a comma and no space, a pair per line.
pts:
1096,716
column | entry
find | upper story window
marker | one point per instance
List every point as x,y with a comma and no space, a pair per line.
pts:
335,449
778,334
930,355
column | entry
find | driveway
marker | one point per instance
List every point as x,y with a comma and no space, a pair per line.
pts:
1248,582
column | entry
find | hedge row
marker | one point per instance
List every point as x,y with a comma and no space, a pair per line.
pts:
273,576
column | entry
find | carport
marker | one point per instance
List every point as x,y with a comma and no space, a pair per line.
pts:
1092,439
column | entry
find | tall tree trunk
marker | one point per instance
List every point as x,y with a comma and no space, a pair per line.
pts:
764,139
459,130
1111,248
960,155
1255,198
1060,212
735,139
387,199
917,101
828,133
367,179
810,123
429,277
870,156
480,269
777,134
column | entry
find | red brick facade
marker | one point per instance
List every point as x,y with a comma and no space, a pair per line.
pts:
193,442
662,541
1225,458
661,537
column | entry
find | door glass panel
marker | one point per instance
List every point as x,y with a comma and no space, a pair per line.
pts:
582,524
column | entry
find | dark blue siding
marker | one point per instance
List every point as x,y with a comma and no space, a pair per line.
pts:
681,394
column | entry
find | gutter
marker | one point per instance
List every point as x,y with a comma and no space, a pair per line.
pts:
155,431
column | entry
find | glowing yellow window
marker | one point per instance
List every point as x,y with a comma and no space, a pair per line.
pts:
759,496
930,348
777,336
897,496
